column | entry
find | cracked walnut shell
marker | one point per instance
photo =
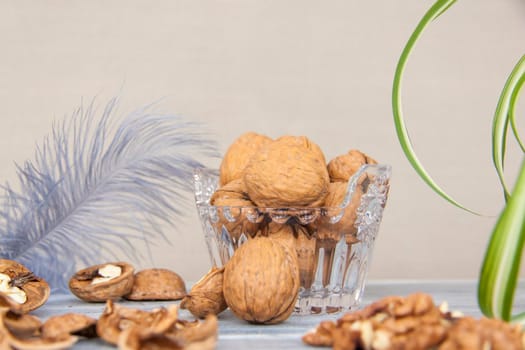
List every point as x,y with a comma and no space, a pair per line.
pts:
88,285
33,290
206,296
285,175
261,281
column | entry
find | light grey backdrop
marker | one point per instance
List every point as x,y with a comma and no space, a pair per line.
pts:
318,68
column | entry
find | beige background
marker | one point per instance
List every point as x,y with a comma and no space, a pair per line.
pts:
318,68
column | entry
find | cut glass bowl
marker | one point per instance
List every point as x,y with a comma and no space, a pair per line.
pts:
334,244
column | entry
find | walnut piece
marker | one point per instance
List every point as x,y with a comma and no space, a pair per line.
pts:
414,323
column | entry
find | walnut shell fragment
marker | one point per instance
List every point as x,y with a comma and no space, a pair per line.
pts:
238,155
116,318
22,325
201,336
342,167
69,324
261,281
157,284
286,175
9,340
89,285
16,279
206,296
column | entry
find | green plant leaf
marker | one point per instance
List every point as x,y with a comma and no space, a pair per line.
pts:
505,114
500,268
434,12
512,110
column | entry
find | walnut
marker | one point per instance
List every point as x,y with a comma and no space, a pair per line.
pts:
22,287
238,155
303,141
69,323
261,281
408,323
234,207
298,238
342,167
468,333
284,175
102,282
206,296
157,284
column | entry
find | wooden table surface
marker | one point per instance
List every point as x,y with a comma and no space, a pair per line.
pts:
237,334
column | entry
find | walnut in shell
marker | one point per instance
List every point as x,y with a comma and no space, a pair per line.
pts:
342,167
303,141
157,284
22,287
238,155
261,281
284,175
234,208
206,296
102,282
298,238
325,228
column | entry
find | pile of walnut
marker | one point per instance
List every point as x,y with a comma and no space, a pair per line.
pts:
414,323
260,282
128,328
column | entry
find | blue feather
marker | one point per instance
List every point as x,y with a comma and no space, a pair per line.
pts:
97,189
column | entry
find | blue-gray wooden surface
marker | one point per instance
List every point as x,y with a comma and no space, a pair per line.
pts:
237,334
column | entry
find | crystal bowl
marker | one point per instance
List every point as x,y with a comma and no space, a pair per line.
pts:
334,244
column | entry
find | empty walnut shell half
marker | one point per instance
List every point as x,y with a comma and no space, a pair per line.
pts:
22,283
206,296
157,284
69,324
84,284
